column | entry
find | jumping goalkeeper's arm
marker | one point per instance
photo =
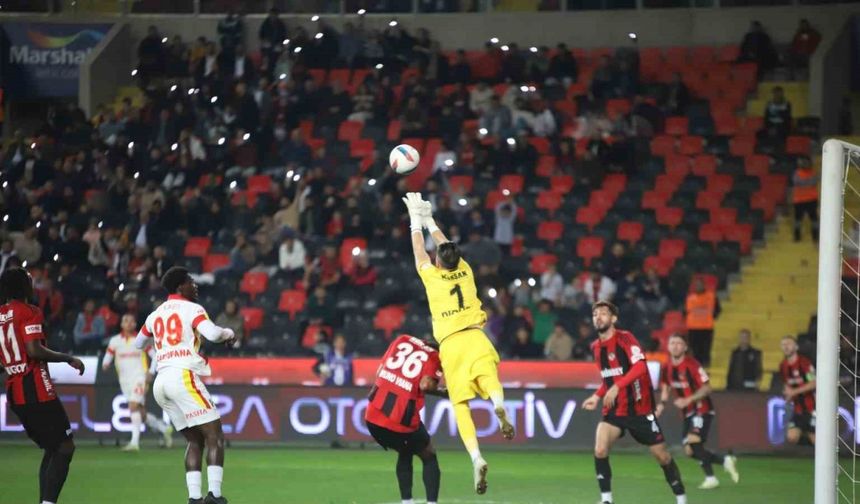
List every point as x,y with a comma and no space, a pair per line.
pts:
413,204
428,222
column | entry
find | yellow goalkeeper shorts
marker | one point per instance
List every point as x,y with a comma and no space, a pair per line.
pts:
465,356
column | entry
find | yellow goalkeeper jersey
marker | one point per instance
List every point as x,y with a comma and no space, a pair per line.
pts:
453,299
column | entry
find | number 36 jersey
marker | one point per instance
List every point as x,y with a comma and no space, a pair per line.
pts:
396,397
453,299
173,327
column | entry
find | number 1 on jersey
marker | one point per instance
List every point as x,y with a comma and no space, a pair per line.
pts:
459,292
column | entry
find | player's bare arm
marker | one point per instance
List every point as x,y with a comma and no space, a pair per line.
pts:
430,386
703,392
792,392
37,351
664,396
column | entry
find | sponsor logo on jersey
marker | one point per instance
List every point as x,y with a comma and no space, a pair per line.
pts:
196,413
616,371
6,317
33,329
448,313
455,275
16,369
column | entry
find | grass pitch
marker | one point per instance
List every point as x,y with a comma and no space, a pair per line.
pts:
301,476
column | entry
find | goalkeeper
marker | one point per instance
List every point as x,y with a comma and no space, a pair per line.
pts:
469,361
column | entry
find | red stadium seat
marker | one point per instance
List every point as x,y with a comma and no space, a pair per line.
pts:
550,231
254,283
673,320
703,56
710,233
540,262
677,164
726,124
393,134
724,216
662,265
513,183
213,262
662,145
728,54
260,184
691,145
615,183
545,166
461,184
561,183
799,145
741,234
742,146
672,248
362,148
253,318
708,200
704,165
307,128
493,198
349,131
590,216
358,76
712,282
677,126
550,201
653,200
567,108
292,302
197,246
540,144
318,75
602,199
589,248
720,182
617,107
388,319
630,231
752,125
757,165
670,216
347,252
764,202
340,75
676,58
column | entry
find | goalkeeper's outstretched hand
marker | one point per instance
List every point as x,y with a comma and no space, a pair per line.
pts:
413,204
426,213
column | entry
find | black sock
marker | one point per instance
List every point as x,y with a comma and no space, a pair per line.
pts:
673,477
43,473
55,475
704,458
604,474
404,474
432,478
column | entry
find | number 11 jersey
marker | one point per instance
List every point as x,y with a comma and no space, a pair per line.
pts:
396,398
173,326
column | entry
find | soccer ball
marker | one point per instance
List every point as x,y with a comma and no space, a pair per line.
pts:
404,159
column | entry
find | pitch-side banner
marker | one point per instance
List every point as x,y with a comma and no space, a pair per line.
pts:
545,418
44,58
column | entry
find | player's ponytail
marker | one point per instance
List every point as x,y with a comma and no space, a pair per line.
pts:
449,255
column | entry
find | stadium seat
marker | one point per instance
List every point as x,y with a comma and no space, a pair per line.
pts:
757,165
711,233
662,265
653,200
561,183
673,321
590,216
724,216
254,283
213,262
340,75
617,107
253,318
318,76
752,125
798,145
602,199
292,302
349,131
662,145
708,200
712,282
260,184
742,146
388,319
589,248
691,145
393,134
728,54
672,248
513,183
742,234
461,184
763,201
614,183
492,199
677,126
550,201
197,246
726,124
704,165
362,148
550,232
540,262
720,183
670,216
630,231
677,164
545,166
540,144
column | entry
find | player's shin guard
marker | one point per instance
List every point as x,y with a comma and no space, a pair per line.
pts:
604,474
214,477
404,474
432,478
466,426
56,473
704,458
673,477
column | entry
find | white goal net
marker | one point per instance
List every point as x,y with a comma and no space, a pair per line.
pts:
838,340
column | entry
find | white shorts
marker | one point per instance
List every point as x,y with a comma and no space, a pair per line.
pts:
134,389
183,396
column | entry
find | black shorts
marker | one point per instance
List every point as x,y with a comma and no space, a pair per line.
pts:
411,442
644,428
46,423
700,425
803,421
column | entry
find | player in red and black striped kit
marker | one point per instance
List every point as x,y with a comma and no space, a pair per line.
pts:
684,375
29,389
410,369
798,378
628,401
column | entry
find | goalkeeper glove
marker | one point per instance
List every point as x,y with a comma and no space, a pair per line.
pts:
413,206
426,212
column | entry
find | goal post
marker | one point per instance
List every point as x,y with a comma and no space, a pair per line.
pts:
838,249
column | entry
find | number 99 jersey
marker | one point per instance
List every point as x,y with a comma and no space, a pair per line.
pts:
396,397
173,327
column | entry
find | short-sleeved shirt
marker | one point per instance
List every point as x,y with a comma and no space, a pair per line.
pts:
396,398
453,299
615,357
797,374
173,327
685,378
28,379
130,362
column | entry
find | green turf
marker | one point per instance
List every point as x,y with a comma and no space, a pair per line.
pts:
293,476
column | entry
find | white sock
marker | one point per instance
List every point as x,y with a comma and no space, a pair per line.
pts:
605,496
194,481
214,477
46,502
681,499
710,478
475,453
136,420
154,423
407,501
498,399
